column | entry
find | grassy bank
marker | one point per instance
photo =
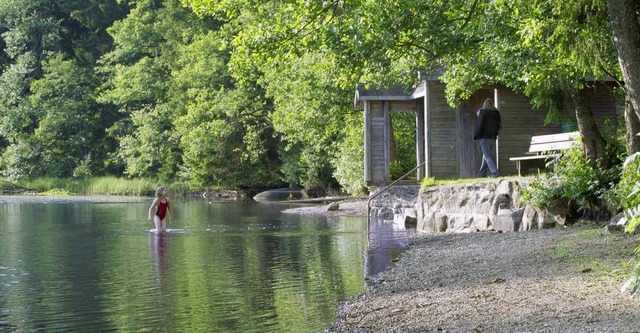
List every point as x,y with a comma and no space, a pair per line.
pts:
91,186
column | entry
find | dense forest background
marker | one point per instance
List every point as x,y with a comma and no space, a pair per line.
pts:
235,93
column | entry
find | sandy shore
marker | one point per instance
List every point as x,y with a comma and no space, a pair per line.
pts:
557,280
347,207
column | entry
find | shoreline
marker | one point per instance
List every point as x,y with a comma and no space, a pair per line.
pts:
356,206
551,280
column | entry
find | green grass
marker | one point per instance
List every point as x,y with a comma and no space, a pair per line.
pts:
106,185
576,250
426,182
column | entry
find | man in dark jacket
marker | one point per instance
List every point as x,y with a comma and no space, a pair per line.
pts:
487,127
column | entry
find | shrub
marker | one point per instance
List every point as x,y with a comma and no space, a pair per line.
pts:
573,179
627,195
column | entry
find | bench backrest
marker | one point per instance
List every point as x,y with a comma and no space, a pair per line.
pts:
551,142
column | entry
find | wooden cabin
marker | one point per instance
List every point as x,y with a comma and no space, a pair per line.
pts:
444,134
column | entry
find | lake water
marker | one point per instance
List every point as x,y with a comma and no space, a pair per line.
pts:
92,264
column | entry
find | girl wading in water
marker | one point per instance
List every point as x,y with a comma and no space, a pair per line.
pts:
161,206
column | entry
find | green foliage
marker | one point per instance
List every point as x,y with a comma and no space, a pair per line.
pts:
68,127
426,182
396,170
260,92
311,118
404,132
572,179
578,181
629,186
562,252
50,119
626,195
540,48
632,285
21,160
349,159
542,191
186,118
56,192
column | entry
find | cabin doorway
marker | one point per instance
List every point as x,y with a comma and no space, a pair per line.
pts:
402,144
468,149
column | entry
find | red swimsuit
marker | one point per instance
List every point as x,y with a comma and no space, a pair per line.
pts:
162,210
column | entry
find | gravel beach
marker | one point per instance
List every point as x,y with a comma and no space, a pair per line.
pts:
555,280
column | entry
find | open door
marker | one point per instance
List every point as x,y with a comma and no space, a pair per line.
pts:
469,153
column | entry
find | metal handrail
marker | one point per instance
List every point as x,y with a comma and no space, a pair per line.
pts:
384,189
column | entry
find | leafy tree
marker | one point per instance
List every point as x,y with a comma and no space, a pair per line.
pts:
225,133
625,29
69,132
404,133
138,72
46,87
309,116
31,30
184,115
349,158
311,103
538,48
4,58
625,26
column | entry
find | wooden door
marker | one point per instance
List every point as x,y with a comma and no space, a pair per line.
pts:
469,153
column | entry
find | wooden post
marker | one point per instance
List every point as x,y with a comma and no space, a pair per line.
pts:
420,139
427,131
496,103
367,142
387,141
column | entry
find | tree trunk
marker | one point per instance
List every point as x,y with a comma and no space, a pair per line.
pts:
633,127
626,37
592,140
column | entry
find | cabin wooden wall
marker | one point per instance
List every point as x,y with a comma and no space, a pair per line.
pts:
402,106
603,104
378,134
444,162
448,137
469,149
519,123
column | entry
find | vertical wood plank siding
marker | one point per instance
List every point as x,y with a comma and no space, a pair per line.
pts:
519,123
603,102
402,106
420,138
442,149
367,142
377,133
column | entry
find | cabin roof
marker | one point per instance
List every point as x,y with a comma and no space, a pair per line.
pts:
394,92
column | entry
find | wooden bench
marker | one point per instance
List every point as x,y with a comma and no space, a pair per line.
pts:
545,147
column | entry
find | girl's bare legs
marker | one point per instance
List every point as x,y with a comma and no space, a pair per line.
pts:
158,223
163,224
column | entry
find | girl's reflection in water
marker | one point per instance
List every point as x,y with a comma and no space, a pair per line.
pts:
159,249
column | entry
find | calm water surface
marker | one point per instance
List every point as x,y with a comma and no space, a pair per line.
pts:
91,264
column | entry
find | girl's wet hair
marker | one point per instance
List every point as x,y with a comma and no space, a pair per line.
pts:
159,191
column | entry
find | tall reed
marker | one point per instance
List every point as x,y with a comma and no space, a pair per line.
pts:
106,185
